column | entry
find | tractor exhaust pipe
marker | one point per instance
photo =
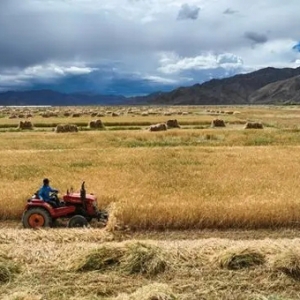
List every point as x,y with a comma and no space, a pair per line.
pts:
83,194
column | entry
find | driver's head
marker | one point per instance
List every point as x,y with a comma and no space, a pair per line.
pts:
46,181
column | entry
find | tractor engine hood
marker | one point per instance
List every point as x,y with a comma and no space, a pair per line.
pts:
76,196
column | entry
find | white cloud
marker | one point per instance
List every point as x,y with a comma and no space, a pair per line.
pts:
174,64
275,53
53,70
159,79
47,72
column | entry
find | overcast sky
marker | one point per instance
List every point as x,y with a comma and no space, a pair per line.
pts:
156,44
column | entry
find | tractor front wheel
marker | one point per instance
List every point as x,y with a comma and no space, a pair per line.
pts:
78,221
36,217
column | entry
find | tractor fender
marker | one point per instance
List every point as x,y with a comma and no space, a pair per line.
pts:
40,204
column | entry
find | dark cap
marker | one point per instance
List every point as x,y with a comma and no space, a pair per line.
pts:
46,181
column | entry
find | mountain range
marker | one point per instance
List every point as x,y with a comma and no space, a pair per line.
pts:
265,86
269,85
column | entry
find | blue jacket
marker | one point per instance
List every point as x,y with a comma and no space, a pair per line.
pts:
44,192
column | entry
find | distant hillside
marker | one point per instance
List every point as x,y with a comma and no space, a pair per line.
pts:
48,97
284,91
233,90
269,85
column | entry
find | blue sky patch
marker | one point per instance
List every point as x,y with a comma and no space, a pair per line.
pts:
297,47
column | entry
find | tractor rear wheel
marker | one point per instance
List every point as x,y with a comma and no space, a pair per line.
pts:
78,221
36,217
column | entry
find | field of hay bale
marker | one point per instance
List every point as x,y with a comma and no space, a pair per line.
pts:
229,170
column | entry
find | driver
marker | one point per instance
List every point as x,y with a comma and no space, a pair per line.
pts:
45,191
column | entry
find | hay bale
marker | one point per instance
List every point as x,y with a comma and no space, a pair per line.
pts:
67,114
66,128
158,127
218,123
100,259
240,258
12,117
254,125
173,124
167,113
145,114
76,115
154,291
23,125
96,124
114,114
94,114
289,264
145,259
100,115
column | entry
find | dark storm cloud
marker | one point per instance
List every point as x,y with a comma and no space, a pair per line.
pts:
229,11
36,35
40,34
188,12
255,37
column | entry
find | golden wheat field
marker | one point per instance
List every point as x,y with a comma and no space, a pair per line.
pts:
182,178
196,212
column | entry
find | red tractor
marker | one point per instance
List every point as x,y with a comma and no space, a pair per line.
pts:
79,208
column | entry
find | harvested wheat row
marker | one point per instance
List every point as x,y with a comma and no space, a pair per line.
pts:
236,259
289,264
100,259
8,269
134,258
146,259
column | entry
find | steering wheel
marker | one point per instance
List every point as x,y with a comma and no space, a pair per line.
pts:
54,196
